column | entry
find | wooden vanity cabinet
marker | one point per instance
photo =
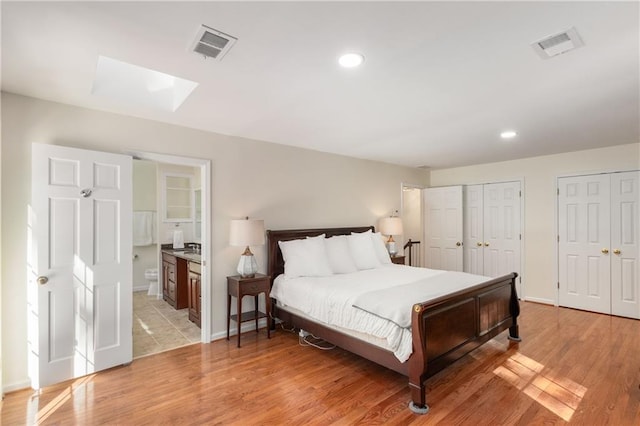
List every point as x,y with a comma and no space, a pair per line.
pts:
174,281
194,292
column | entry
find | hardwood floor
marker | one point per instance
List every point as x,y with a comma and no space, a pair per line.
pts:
572,366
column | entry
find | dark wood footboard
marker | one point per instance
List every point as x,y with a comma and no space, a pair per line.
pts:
443,330
447,328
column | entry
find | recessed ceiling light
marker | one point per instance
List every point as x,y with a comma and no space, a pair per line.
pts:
351,60
508,134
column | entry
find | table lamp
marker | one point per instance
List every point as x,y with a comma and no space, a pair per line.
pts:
391,226
247,232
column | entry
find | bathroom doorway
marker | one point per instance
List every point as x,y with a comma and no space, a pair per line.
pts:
411,213
158,324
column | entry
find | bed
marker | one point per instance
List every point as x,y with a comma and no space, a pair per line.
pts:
442,329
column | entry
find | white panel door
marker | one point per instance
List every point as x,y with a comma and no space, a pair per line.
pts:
443,228
473,229
625,221
80,291
501,229
583,246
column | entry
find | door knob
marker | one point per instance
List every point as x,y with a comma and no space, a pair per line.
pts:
479,244
42,280
458,244
486,244
605,251
617,251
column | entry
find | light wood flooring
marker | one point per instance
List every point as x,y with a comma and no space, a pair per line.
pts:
572,366
158,327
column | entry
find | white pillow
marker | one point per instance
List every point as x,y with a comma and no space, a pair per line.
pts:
305,258
381,249
339,255
362,250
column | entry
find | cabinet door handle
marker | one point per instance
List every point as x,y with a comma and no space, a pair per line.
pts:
479,244
605,251
458,244
617,251
486,244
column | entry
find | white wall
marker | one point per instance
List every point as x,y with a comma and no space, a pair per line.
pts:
540,175
287,187
412,222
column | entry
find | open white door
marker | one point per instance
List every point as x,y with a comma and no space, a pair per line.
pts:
80,291
443,228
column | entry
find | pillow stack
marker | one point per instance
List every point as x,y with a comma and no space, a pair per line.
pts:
342,254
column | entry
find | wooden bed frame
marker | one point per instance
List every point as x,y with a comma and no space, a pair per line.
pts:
443,330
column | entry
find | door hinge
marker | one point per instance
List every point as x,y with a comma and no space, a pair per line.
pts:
558,284
520,194
520,236
558,191
520,278
558,238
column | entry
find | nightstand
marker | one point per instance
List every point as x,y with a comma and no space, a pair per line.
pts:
240,287
398,260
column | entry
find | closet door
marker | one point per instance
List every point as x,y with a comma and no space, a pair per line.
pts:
473,229
501,228
583,242
443,227
625,220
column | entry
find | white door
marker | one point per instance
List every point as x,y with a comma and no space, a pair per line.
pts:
583,242
473,229
443,228
80,291
625,221
501,228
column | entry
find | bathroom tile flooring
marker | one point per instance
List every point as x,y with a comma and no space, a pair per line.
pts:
157,327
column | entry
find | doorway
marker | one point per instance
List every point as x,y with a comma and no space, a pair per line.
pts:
202,220
159,212
411,213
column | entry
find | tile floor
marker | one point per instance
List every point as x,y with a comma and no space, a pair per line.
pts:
157,327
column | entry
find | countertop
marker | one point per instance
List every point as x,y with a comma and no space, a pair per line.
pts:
186,254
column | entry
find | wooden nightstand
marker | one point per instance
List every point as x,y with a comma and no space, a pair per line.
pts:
398,260
240,287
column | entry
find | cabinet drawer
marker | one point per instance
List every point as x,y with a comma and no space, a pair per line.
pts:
195,267
168,258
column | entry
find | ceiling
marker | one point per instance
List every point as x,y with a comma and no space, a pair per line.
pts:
439,83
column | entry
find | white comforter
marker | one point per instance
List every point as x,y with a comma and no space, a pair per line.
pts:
330,300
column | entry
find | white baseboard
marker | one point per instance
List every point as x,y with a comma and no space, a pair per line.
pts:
247,326
141,288
539,300
16,386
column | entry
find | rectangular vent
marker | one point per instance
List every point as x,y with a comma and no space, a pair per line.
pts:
212,43
557,44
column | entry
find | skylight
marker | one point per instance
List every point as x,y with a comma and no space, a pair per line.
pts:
141,86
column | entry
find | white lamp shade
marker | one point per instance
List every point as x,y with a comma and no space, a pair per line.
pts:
391,226
246,232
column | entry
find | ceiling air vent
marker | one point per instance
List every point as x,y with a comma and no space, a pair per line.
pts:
558,44
212,43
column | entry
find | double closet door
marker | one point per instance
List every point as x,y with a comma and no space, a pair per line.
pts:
473,228
598,232
492,228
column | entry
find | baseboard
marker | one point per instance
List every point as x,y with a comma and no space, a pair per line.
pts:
16,387
247,326
141,288
539,300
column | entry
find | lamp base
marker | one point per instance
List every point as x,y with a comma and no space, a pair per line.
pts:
247,266
391,248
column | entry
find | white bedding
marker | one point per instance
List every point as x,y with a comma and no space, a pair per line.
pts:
330,300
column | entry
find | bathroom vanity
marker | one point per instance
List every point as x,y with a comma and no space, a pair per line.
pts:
181,283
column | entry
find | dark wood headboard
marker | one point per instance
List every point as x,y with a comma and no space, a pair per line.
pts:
275,262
